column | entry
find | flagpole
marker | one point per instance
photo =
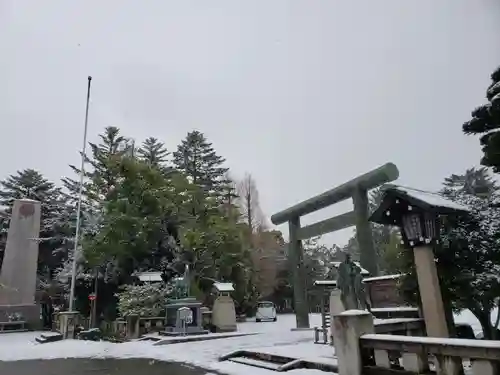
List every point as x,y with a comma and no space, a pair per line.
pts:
79,205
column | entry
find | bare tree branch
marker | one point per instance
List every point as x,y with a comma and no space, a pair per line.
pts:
248,203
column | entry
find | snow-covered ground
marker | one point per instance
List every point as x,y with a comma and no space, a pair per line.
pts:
19,346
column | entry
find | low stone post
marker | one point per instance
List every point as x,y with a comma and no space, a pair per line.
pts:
133,326
349,327
68,321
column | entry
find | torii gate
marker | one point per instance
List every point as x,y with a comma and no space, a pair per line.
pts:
357,189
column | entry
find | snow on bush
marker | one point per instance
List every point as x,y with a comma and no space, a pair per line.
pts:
143,300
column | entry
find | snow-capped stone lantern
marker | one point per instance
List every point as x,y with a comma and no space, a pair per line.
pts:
418,213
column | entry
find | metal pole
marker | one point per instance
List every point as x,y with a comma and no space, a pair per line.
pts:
79,205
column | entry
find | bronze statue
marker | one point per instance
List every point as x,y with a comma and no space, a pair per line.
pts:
181,285
350,284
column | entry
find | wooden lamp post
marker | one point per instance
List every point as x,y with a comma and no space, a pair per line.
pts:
417,213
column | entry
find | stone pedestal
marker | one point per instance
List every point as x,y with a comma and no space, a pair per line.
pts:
19,267
349,327
224,314
68,321
133,327
174,326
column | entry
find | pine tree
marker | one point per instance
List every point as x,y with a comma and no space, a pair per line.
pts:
31,184
486,122
153,152
28,184
475,181
99,179
197,159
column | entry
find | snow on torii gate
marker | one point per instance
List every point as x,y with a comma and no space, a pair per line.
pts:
357,189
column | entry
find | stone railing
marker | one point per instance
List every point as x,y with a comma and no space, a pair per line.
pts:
360,351
420,354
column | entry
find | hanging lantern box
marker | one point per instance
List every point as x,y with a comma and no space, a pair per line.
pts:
416,212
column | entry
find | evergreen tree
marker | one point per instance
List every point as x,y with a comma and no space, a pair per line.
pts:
486,122
197,159
98,176
153,152
475,181
54,232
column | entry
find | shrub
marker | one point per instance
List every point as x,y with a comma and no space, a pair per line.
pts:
143,300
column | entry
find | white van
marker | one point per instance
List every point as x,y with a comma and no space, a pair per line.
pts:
265,311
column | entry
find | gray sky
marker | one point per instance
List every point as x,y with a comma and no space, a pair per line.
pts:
304,94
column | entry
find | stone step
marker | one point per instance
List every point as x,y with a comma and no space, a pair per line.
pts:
256,363
49,337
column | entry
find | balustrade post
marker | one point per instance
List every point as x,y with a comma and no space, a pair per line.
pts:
349,327
482,367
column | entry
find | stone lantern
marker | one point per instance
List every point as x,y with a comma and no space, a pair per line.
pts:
418,213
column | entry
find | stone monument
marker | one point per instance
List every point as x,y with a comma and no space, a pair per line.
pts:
175,322
20,261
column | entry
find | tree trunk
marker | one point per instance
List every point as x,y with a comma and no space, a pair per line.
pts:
497,321
485,321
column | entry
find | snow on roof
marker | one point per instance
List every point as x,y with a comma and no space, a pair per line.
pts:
394,309
325,282
363,271
224,287
27,200
355,312
149,276
432,199
380,278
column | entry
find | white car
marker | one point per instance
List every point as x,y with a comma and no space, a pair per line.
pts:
265,311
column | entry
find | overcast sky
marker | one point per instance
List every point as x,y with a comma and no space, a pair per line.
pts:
303,94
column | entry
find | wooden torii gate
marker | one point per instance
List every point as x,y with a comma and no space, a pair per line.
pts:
357,189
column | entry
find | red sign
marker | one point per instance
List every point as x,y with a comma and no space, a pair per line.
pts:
92,297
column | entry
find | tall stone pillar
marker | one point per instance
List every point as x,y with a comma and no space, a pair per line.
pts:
19,267
296,254
367,254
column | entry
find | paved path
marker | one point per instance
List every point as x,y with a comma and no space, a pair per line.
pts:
97,367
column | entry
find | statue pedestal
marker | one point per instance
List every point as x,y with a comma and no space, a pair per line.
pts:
174,326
